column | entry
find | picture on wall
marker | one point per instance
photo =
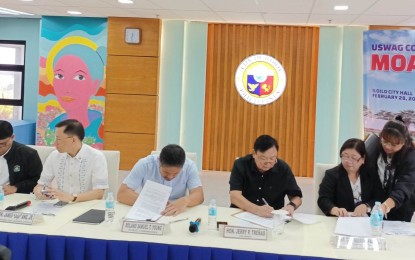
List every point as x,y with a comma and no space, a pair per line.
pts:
73,55
389,66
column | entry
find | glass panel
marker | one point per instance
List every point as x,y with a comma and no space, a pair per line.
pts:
10,112
12,54
10,85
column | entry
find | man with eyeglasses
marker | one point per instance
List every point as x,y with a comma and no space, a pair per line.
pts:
260,181
80,171
20,165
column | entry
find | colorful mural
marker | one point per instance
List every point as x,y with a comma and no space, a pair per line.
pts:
73,55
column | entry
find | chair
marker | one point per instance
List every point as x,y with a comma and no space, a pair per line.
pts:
113,165
319,172
371,145
191,156
43,151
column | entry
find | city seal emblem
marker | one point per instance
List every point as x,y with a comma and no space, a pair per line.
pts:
260,79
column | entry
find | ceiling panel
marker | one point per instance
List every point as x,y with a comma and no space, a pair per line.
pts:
286,18
408,22
327,19
361,12
355,6
199,16
285,6
380,19
195,5
254,18
393,7
161,14
235,6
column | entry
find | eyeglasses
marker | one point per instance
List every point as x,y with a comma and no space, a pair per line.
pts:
272,159
350,159
385,143
4,144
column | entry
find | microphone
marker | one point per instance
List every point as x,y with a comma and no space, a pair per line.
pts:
20,205
194,225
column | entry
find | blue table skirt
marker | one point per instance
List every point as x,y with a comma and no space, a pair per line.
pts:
39,247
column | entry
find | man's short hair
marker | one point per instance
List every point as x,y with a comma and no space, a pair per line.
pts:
264,142
72,127
6,129
172,155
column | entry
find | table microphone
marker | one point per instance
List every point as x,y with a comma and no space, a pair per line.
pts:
194,225
19,206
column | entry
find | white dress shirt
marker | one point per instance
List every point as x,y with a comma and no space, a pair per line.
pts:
85,172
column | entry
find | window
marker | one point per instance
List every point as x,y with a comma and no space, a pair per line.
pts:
12,65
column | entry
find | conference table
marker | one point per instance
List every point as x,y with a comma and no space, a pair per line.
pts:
57,237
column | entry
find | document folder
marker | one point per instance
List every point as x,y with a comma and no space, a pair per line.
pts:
92,216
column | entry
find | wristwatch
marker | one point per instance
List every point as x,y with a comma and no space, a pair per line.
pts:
75,196
369,208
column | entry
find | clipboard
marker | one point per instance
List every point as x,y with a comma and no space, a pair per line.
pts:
92,216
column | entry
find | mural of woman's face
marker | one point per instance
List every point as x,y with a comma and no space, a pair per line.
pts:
72,83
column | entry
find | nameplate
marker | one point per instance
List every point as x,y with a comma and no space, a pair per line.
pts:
245,233
143,227
365,243
16,217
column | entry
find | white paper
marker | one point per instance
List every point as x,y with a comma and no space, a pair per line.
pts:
151,202
265,222
46,208
306,218
398,228
353,226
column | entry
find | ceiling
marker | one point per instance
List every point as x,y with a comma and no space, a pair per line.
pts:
293,12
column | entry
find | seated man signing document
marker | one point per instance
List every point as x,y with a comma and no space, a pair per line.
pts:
260,181
80,171
170,168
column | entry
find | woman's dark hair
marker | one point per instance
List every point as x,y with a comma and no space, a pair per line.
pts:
264,142
356,144
395,131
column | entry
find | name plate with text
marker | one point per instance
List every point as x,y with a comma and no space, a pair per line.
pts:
16,217
245,233
144,227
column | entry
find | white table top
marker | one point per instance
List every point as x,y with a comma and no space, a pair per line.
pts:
298,239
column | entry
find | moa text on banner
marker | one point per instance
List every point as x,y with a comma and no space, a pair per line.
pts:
389,66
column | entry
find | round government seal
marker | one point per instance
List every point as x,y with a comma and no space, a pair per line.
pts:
260,79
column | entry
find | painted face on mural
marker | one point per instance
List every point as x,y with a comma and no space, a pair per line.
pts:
73,84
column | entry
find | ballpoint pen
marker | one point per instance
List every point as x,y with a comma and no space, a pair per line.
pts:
178,220
266,203
49,214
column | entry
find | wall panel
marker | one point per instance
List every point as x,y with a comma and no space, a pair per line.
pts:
137,79
132,146
131,113
132,89
232,124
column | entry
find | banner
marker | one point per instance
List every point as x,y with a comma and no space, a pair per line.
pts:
389,78
73,54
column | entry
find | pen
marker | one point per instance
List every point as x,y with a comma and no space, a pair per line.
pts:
178,220
49,214
266,203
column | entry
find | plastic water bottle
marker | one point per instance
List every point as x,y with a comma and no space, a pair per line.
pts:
380,212
109,207
1,198
213,213
375,222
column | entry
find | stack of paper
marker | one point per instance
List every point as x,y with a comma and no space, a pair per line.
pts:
151,202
